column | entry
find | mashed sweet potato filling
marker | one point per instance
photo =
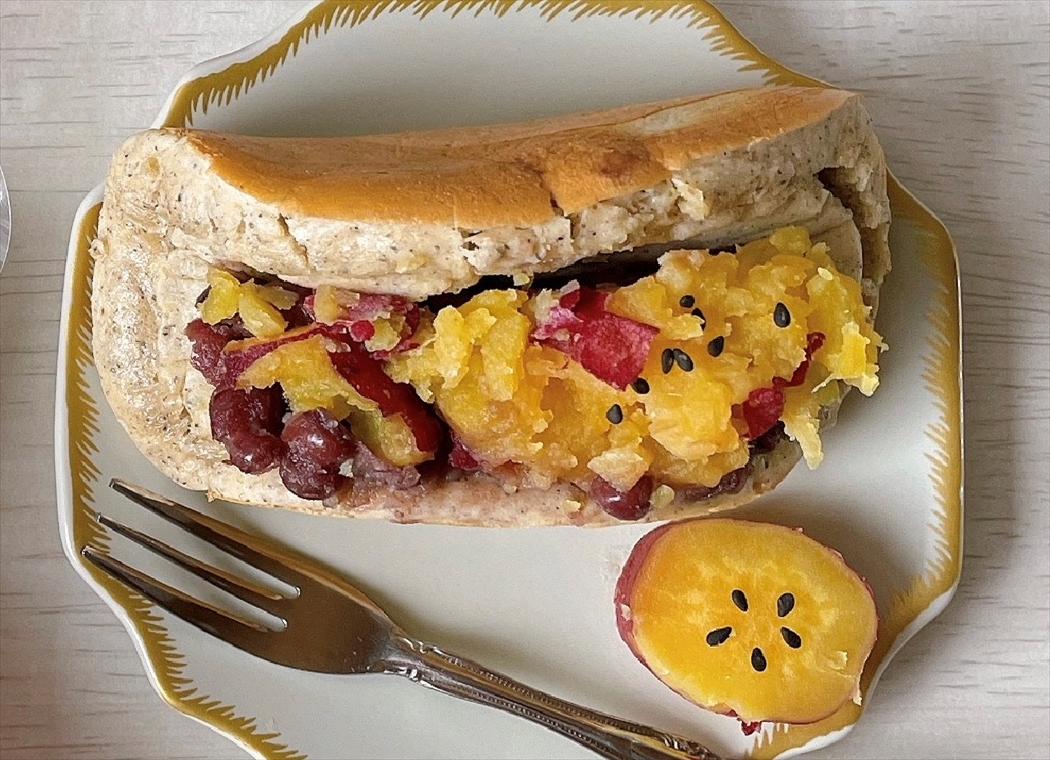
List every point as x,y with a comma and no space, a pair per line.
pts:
667,379
728,326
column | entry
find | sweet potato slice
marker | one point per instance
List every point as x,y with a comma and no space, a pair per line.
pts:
747,619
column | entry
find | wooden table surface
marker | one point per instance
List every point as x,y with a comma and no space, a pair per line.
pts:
960,93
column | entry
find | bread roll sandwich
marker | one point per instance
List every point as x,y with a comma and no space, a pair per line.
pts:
640,313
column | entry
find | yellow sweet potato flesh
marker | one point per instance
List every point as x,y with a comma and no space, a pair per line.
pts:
512,400
747,617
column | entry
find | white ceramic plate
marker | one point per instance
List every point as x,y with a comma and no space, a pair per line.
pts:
534,603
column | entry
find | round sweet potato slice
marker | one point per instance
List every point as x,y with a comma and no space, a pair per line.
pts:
748,619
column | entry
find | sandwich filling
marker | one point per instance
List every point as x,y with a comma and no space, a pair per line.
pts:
674,381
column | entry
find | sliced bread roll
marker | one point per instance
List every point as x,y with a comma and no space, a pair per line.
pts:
420,214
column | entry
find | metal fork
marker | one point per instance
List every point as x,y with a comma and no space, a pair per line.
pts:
331,627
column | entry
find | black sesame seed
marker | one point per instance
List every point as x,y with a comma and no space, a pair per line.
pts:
640,385
683,360
792,639
758,660
667,360
699,315
718,636
785,604
615,414
739,599
716,346
687,302
781,315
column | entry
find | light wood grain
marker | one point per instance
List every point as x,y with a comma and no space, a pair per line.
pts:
960,92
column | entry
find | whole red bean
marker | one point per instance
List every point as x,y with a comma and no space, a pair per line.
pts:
623,505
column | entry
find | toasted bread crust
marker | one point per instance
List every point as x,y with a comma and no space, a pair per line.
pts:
511,175
425,213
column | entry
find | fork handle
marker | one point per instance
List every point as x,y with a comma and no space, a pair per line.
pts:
605,735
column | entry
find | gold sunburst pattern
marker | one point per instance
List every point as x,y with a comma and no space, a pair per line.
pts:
196,96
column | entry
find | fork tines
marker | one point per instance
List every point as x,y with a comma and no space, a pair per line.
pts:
208,617
242,545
